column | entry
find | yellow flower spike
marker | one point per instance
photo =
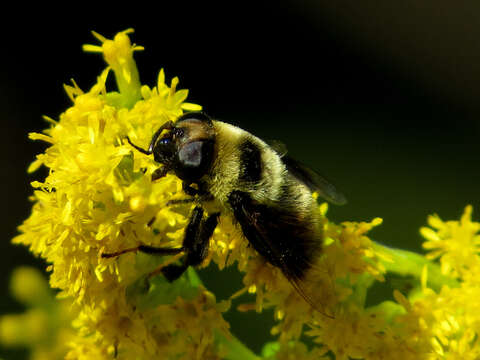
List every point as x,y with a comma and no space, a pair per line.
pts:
118,53
96,191
455,243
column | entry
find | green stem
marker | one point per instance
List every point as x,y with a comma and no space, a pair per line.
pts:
236,350
118,53
407,263
128,83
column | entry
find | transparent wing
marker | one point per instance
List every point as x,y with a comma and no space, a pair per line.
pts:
314,181
279,147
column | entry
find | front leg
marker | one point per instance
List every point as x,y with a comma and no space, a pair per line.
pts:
160,173
189,189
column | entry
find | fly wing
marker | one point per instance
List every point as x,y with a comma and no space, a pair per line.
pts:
314,181
279,147
279,237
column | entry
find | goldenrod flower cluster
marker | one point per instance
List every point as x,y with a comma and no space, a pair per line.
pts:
99,198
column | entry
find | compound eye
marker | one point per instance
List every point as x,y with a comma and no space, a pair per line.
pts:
164,150
191,154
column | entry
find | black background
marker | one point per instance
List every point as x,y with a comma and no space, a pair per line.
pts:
382,98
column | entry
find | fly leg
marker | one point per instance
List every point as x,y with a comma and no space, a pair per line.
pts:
195,245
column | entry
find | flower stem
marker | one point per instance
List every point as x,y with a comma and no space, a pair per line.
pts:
236,350
408,263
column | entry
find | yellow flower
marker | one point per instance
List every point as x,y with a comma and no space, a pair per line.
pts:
456,243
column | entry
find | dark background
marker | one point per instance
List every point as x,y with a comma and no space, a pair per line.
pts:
381,97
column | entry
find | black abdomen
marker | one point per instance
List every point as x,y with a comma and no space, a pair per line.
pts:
282,236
